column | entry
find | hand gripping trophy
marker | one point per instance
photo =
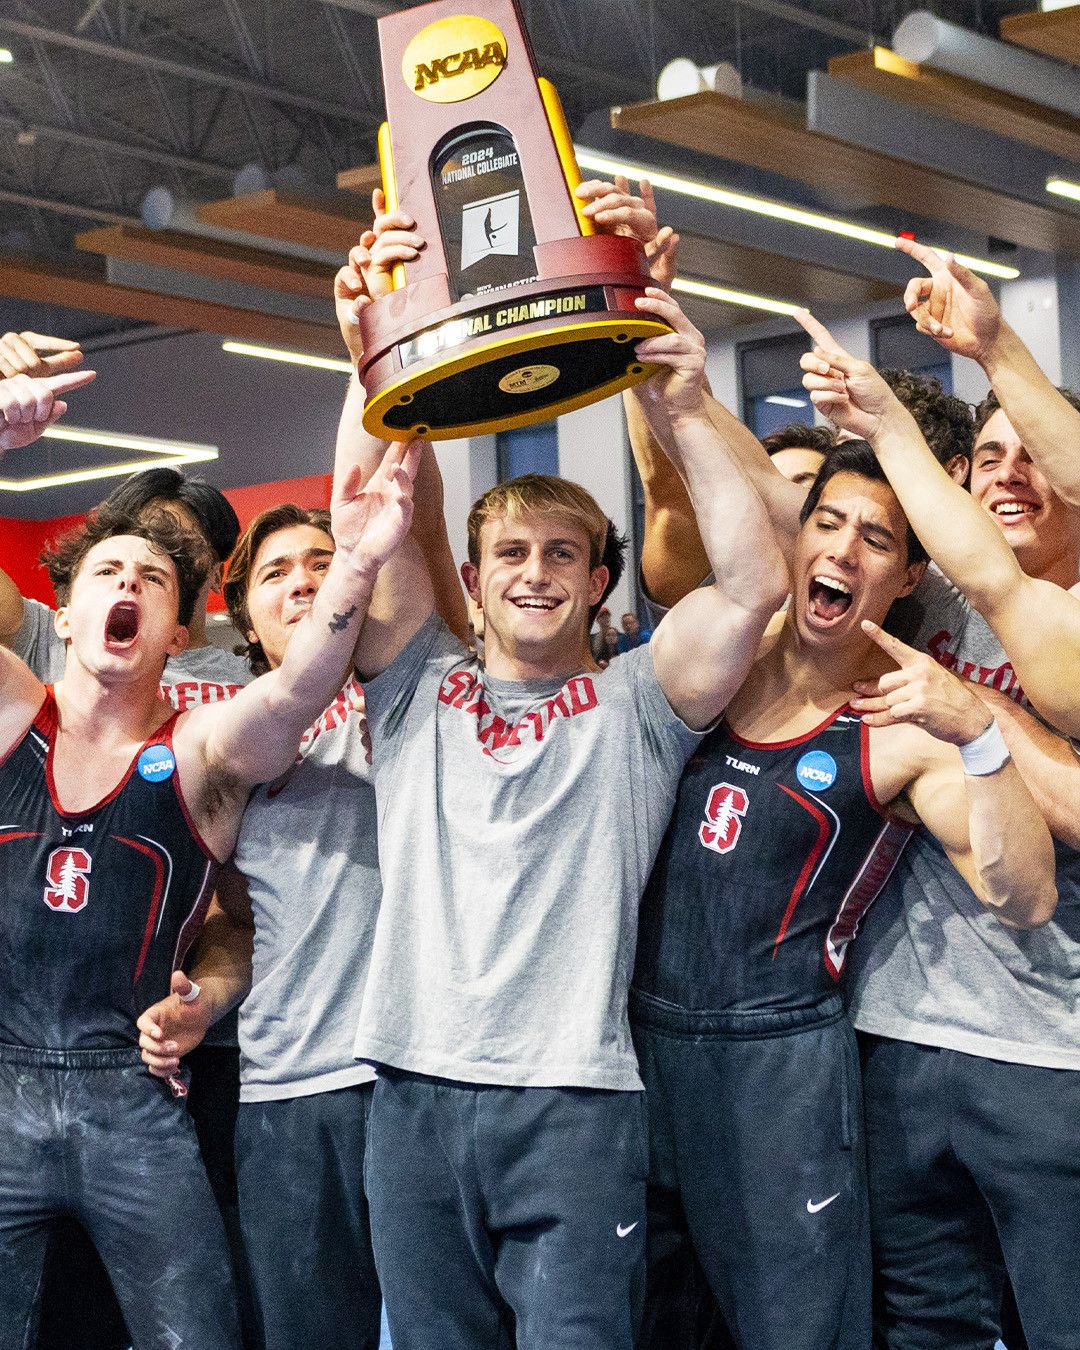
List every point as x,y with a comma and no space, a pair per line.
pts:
517,310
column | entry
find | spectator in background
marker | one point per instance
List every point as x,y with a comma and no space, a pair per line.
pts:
602,646
798,451
632,635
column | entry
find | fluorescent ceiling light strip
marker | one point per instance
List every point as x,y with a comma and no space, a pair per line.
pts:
293,358
710,292
170,454
1061,187
762,206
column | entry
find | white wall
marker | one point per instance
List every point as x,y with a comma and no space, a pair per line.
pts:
594,453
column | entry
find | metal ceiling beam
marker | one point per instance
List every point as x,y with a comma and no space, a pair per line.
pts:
776,9
370,9
200,74
67,208
166,158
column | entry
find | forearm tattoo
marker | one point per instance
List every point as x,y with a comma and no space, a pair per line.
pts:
340,621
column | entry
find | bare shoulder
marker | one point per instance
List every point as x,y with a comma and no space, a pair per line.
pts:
899,756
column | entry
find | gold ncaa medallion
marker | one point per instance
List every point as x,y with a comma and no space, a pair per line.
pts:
454,59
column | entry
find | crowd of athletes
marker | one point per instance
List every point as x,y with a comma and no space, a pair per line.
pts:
707,981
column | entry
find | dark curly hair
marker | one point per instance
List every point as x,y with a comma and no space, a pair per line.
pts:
990,405
800,436
238,572
189,552
946,422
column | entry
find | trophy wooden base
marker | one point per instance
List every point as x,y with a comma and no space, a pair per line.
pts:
507,358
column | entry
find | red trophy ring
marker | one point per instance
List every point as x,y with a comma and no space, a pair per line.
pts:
516,310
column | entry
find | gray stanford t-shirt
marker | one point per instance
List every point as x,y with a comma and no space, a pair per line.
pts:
518,822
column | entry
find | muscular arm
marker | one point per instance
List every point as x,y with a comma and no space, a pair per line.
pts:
221,960
703,648
673,558
989,824
993,832
1047,762
404,596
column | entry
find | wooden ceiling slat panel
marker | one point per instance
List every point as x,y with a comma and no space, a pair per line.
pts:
47,285
210,258
733,129
1056,33
289,217
362,180
884,72
749,269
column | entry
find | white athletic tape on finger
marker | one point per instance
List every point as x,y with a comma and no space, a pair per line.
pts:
986,753
194,992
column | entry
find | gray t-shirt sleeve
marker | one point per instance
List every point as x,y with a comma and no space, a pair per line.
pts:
387,696
667,738
36,642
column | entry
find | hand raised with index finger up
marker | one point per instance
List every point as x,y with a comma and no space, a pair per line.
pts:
951,305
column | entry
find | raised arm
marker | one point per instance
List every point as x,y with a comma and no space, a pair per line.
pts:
1048,764
1036,622
369,264
703,648
673,558
28,405
956,773
958,309
253,737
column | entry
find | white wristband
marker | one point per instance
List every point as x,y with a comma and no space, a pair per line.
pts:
986,753
194,992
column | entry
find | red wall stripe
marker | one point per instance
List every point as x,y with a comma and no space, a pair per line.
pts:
22,540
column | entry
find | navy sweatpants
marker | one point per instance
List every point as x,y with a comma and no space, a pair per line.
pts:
757,1178
974,1168
91,1134
300,1169
507,1216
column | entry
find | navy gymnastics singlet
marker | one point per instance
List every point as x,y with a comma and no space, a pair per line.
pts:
98,908
773,854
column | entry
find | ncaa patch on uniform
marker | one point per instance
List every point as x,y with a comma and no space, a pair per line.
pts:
156,763
816,771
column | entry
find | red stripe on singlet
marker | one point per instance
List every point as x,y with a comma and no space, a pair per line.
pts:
808,866
155,899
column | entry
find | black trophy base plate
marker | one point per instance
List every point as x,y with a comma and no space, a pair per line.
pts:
487,385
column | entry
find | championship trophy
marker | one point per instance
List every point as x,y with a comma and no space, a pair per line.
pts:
517,310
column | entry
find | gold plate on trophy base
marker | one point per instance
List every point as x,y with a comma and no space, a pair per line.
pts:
512,381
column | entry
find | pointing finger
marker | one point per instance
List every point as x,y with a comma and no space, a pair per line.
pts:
930,258
68,379
817,330
900,652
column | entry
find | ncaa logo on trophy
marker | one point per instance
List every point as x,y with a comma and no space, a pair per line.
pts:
517,310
